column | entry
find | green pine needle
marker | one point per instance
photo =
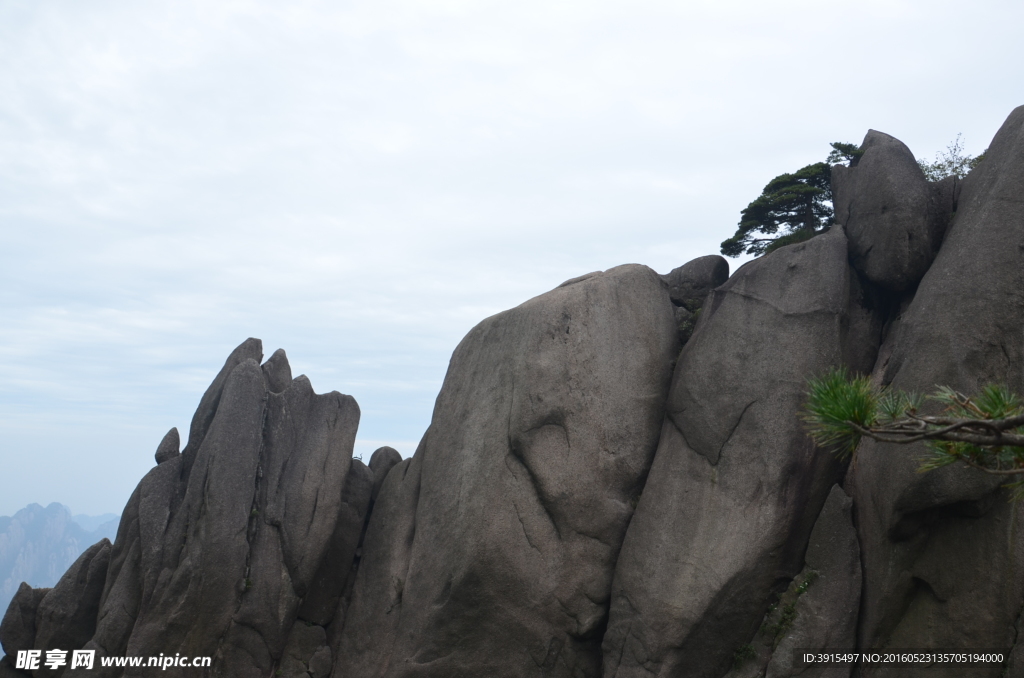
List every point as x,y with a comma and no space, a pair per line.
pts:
834,401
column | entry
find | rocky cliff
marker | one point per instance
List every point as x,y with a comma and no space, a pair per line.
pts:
615,481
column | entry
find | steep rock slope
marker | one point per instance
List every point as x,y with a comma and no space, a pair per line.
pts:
490,553
943,552
736,484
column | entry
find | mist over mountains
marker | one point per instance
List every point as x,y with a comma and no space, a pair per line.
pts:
37,544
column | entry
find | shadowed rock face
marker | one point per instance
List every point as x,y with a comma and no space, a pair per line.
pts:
736,485
490,553
942,550
818,611
18,628
688,287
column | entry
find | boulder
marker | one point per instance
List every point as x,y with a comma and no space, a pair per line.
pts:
941,559
66,618
490,552
18,628
690,284
321,663
277,372
894,218
169,447
304,642
688,287
818,611
736,484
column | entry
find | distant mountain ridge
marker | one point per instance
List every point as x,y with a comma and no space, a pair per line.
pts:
37,544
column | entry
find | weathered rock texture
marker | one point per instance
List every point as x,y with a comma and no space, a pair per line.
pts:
825,612
818,611
491,552
590,501
18,628
688,287
894,218
943,552
66,617
221,545
736,484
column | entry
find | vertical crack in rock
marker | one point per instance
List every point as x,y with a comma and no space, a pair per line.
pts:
948,528
710,541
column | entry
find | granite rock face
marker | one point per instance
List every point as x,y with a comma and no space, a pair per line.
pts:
491,552
689,286
736,484
18,628
942,550
615,482
818,611
66,617
220,544
894,218
825,612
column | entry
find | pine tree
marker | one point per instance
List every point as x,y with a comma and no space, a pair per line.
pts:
792,207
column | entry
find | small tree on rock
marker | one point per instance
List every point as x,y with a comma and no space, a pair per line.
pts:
791,208
950,163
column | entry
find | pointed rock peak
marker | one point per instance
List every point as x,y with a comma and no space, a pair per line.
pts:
277,372
250,349
169,447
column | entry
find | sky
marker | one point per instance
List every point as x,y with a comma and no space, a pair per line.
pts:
361,182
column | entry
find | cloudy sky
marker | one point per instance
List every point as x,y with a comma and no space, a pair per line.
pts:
360,182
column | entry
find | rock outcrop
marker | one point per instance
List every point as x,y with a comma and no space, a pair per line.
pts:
18,628
689,286
491,552
221,544
895,219
66,616
942,550
736,484
615,482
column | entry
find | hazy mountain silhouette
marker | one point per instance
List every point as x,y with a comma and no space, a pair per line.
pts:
37,545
